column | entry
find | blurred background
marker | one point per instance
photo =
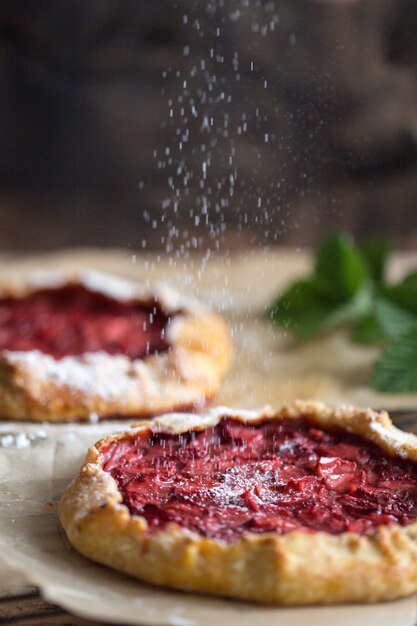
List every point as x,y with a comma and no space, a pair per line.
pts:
206,124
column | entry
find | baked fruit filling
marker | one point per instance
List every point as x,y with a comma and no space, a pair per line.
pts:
72,320
276,476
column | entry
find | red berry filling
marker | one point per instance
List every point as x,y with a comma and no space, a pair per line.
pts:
276,476
73,320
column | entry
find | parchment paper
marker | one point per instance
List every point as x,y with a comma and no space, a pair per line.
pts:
40,460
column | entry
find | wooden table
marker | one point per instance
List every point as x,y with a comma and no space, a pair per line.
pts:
29,609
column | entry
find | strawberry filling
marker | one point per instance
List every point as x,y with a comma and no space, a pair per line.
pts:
72,320
275,476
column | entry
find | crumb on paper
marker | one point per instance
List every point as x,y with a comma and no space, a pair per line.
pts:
178,620
21,440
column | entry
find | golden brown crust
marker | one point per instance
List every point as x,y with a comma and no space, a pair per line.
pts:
294,569
35,386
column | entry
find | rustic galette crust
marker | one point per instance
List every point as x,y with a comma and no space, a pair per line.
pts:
35,386
297,568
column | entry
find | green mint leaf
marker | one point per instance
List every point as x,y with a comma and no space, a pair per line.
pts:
396,369
376,252
340,269
303,309
348,287
368,331
386,321
354,309
393,320
404,293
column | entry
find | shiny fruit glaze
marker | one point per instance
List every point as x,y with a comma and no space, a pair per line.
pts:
276,476
73,320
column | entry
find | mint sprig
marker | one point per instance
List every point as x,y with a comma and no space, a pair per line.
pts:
376,253
348,287
338,292
396,368
340,269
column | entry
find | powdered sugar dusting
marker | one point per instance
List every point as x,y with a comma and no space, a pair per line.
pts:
181,422
111,286
271,476
110,377
177,619
21,440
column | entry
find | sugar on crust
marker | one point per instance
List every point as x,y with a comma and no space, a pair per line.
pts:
299,567
36,386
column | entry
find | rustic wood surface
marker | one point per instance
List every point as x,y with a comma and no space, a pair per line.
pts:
29,609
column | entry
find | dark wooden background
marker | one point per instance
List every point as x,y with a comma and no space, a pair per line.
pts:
206,123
